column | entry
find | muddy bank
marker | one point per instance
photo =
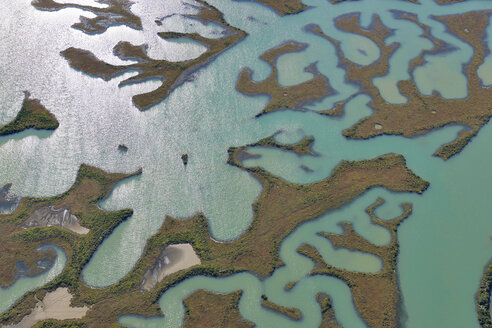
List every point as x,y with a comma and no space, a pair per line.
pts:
50,216
172,259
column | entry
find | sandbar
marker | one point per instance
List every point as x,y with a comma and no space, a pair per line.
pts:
55,305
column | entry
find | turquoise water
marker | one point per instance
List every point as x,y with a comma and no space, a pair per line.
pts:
24,284
444,244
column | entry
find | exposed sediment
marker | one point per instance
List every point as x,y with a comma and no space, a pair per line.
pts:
117,12
49,216
173,258
421,113
376,295
281,97
171,74
33,115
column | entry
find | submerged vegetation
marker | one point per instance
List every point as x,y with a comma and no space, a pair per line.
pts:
32,115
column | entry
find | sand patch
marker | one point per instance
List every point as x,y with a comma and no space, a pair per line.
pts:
172,259
55,305
49,216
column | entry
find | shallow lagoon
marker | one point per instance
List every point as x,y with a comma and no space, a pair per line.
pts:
445,241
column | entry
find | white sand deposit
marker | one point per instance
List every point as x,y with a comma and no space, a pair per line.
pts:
55,305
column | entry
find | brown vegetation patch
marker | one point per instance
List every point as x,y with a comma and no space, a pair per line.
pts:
19,244
284,7
339,1
290,285
376,295
117,12
33,115
290,312
205,309
421,114
291,97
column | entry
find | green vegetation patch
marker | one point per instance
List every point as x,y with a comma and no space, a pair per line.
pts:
32,115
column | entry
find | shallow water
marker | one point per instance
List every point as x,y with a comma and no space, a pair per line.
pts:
24,284
444,244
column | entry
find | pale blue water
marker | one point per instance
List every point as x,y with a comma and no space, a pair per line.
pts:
444,244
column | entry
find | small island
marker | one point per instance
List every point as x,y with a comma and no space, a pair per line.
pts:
483,298
377,309
8,201
33,115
